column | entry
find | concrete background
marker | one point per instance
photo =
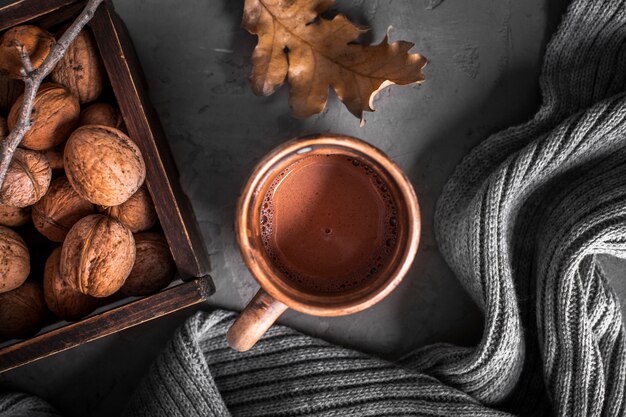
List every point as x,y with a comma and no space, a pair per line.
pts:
484,60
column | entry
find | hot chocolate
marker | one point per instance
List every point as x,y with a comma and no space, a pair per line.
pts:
328,222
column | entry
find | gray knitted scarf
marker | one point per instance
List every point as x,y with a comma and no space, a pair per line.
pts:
521,222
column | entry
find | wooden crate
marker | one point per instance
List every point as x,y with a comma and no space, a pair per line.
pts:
173,208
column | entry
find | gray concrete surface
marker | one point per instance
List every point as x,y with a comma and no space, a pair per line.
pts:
485,57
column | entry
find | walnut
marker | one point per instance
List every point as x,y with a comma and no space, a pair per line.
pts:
55,157
103,165
27,179
64,301
10,90
14,260
101,114
22,311
97,255
137,213
55,116
13,216
35,40
58,210
81,69
154,266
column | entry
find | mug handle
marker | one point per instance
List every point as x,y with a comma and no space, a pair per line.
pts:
258,316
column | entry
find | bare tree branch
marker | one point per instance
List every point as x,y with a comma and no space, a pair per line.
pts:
33,79
26,63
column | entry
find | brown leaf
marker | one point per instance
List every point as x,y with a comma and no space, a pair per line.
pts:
315,53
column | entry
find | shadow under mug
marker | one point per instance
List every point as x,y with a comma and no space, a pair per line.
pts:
278,293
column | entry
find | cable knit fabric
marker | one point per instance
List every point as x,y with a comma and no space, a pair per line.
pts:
22,405
285,374
521,222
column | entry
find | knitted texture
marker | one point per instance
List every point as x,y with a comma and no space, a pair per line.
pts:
521,222
285,374
22,405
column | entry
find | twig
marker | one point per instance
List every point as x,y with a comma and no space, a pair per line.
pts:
33,78
26,63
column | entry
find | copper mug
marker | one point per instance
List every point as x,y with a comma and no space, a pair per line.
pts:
278,293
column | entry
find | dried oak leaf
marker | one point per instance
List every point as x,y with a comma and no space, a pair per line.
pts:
315,53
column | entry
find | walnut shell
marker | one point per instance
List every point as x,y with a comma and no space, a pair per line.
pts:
81,69
22,311
58,210
137,213
64,301
103,165
55,116
55,157
10,90
13,216
97,255
101,114
27,179
14,260
154,266
35,40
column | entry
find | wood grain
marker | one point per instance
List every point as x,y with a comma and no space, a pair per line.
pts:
129,86
16,12
106,323
259,315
